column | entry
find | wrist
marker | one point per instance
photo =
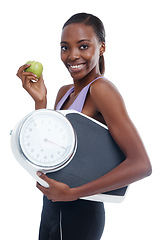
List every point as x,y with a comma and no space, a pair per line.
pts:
74,194
40,104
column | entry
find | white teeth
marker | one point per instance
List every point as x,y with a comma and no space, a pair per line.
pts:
76,66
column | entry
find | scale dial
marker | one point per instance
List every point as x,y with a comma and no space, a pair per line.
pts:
47,139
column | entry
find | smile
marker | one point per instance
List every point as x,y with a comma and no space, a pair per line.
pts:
75,67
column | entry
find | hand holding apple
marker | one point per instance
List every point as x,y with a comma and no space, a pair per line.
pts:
36,68
33,83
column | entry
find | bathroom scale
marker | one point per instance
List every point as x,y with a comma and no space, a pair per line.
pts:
69,147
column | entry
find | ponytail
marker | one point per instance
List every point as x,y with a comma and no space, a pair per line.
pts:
101,65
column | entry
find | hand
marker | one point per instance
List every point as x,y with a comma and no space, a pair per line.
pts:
57,191
35,87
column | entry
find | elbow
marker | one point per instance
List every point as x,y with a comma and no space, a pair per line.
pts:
146,168
149,170
142,168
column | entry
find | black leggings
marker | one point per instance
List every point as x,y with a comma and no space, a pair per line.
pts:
77,220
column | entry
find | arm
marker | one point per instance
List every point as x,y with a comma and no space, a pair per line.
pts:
36,89
137,165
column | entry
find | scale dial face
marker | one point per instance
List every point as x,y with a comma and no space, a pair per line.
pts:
47,139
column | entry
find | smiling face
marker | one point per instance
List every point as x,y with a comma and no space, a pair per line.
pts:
80,50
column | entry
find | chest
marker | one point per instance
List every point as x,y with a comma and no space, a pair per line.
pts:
69,101
88,108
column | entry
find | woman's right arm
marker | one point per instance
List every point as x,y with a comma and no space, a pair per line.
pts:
35,88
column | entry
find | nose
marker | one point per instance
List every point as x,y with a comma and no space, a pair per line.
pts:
74,54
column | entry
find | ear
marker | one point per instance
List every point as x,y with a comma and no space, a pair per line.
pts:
102,48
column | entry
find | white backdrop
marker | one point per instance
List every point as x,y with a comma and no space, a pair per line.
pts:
30,30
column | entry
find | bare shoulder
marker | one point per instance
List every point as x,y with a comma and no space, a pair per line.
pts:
108,101
105,90
62,91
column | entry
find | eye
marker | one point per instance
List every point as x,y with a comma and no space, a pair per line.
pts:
84,47
64,48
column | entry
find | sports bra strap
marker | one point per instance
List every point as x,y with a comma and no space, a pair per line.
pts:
80,99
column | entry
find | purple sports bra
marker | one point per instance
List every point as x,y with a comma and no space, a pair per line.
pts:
79,101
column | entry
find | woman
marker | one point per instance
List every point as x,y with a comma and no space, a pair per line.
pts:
64,215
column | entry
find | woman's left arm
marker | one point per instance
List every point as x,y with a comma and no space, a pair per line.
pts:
110,104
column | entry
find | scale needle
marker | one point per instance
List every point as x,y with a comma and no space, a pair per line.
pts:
46,140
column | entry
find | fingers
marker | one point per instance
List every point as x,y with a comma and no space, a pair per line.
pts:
21,69
26,77
42,189
30,76
45,191
57,191
44,177
27,81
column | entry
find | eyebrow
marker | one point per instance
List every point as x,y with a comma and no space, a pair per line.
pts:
63,42
83,40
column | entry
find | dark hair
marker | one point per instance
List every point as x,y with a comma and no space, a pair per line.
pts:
98,27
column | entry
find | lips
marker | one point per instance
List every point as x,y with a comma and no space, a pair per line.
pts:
75,67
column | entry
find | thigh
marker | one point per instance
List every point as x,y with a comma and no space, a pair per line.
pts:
50,221
83,221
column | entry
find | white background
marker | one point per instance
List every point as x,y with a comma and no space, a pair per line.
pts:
31,30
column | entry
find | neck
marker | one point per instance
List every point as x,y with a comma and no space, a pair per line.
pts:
79,84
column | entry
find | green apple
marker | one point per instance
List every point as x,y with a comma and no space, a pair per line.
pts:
36,68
